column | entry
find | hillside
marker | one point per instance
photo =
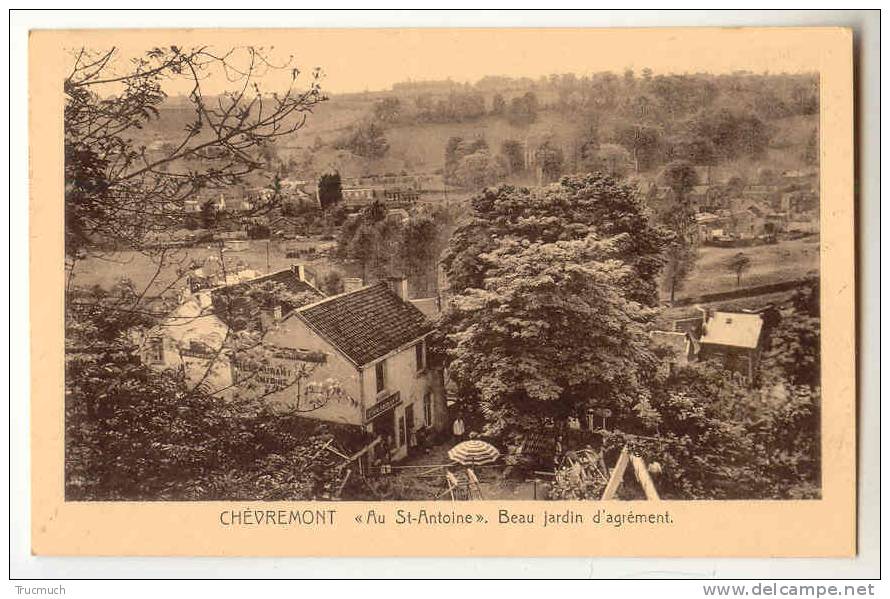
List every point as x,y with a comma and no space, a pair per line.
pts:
742,121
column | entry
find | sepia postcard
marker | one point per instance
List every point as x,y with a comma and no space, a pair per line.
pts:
443,292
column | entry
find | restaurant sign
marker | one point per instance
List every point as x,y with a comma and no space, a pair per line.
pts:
387,403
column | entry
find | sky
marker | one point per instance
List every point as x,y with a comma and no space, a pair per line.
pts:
355,60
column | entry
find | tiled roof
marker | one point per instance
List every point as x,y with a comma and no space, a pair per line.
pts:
735,329
366,324
287,278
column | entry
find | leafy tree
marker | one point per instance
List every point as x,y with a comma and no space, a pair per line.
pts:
613,160
514,155
681,177
714,438
456,150
419,249
579,206
209,214
498,105
682,94
452,157
455,107
680,259
806,98
330,190
732,134
331,282
738,264
549,159
479,169
523,110
587,144
811,152
736,185
696,150
641,141
509,341
387,110
366,139
794,351
385,246
677,214
363,247
133,434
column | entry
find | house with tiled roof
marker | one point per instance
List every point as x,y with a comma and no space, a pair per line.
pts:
370,344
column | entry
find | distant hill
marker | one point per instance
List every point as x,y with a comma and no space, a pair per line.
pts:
744,121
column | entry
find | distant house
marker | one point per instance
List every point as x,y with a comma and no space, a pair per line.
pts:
369,364
798,175
242,205
709,226
401,195
358,197
735,339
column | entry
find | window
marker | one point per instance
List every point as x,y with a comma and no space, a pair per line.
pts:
380,372
428,408
418,355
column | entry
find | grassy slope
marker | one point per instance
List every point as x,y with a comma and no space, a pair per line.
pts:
769,264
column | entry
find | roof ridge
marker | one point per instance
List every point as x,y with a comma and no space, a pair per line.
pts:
340,295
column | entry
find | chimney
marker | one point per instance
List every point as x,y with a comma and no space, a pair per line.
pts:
706,316
352,284
307,275
399,286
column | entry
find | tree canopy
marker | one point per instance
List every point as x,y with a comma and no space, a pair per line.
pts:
570,210
551,289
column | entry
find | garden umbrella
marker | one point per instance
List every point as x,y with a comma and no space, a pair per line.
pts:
474,453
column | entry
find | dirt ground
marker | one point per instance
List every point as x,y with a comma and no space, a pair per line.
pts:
422,476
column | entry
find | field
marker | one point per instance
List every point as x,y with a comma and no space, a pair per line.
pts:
140,268
783,261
